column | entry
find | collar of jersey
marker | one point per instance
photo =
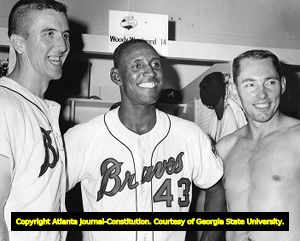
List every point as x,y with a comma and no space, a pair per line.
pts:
124,135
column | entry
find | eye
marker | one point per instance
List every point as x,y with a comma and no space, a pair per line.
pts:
66,36
49,34
156,64
271,82
137,66
249,85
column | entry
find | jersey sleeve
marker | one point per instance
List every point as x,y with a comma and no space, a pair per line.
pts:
75,158
4,134
208,164
7,128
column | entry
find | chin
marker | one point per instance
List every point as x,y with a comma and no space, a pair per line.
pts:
263,119
149,102
56,76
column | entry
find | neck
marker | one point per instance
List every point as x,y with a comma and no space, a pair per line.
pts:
29,81
139,119
259,130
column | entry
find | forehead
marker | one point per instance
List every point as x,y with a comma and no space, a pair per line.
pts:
139,50
48,18
252,68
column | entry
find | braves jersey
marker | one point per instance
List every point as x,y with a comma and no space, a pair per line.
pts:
30,138
121,171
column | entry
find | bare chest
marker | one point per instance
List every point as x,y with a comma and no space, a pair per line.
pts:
262,171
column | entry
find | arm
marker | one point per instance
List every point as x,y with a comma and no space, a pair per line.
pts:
5,185
214,202
77,141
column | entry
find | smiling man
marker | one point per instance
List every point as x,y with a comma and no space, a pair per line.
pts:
136,158
32,159
262,159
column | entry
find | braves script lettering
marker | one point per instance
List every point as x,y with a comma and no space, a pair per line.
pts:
111,168
49,149
169,166
113,173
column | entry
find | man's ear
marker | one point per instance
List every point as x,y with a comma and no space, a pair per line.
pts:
115,76
283,84
18,43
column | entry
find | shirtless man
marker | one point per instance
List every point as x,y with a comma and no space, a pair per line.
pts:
262,159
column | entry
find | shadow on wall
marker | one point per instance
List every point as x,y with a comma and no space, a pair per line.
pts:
290,100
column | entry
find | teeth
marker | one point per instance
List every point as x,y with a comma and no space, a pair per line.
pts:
147,85
262,105
54,59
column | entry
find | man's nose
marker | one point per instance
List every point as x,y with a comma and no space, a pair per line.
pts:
150,71
262,93
63,44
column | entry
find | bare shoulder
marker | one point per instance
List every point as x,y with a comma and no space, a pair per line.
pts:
291,127
292,130
295,129
295,125
226,144
286,135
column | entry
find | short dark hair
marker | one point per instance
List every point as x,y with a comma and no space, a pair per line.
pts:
19,15
255,54
120,49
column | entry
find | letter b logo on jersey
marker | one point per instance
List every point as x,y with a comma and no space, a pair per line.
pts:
51,154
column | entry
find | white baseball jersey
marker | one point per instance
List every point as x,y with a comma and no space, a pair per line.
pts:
121,171
30,138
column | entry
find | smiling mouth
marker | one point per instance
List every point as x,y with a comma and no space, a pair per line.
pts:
262,105
148,85
55,60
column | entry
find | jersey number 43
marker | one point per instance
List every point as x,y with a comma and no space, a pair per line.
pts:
164,193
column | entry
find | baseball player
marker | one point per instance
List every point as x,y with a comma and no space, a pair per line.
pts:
32,158
136,158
